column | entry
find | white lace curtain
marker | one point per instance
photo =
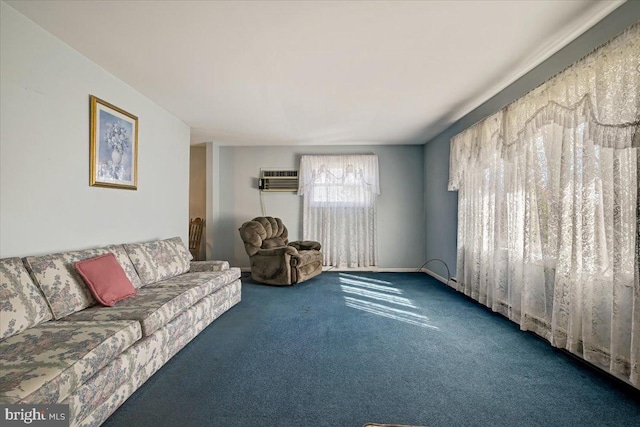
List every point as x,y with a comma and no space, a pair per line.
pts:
339,207
548,209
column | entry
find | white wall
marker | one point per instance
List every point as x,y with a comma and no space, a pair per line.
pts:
400,204
46,202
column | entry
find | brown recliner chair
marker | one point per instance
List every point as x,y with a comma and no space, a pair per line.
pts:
274,260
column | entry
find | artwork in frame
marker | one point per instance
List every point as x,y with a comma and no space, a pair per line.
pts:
114,146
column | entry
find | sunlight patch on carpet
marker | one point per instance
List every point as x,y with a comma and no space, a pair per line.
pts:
378,296
389,312
366,279
371,286
388,300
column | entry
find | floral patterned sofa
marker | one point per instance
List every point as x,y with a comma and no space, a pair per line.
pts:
57,345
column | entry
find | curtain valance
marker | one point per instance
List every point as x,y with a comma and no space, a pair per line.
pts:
357,169
601,91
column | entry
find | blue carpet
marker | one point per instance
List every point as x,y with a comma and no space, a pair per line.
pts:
346,349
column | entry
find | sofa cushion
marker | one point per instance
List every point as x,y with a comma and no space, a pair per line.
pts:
125,262
106,279
153,307
178,245
133,366
204,283
189,282
160,259
61,284
47,362
21,303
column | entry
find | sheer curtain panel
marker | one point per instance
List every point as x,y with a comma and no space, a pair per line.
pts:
339,207
548,209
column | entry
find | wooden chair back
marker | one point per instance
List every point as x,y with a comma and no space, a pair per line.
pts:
196,226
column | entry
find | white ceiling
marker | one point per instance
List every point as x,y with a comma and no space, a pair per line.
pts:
317,72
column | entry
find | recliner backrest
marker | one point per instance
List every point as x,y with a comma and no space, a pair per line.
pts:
263,232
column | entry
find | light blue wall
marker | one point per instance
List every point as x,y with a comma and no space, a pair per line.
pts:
46,203
400,207
441,205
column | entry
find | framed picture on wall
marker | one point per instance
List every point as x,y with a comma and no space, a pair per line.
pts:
114,146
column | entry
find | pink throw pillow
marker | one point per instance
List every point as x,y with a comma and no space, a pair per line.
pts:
106,279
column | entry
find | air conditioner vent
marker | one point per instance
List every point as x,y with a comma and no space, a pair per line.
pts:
278,180
280,174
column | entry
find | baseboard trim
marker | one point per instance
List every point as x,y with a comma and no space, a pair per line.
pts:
371,269
437,276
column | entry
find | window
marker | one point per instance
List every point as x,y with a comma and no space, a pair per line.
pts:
339,208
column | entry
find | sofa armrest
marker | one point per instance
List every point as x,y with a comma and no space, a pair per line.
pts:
306,245
200,266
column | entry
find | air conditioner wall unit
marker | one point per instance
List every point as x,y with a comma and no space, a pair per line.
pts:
278,180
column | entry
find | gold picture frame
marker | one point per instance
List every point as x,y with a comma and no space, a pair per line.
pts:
114,146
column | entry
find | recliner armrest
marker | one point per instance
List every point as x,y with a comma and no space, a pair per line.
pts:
306,245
